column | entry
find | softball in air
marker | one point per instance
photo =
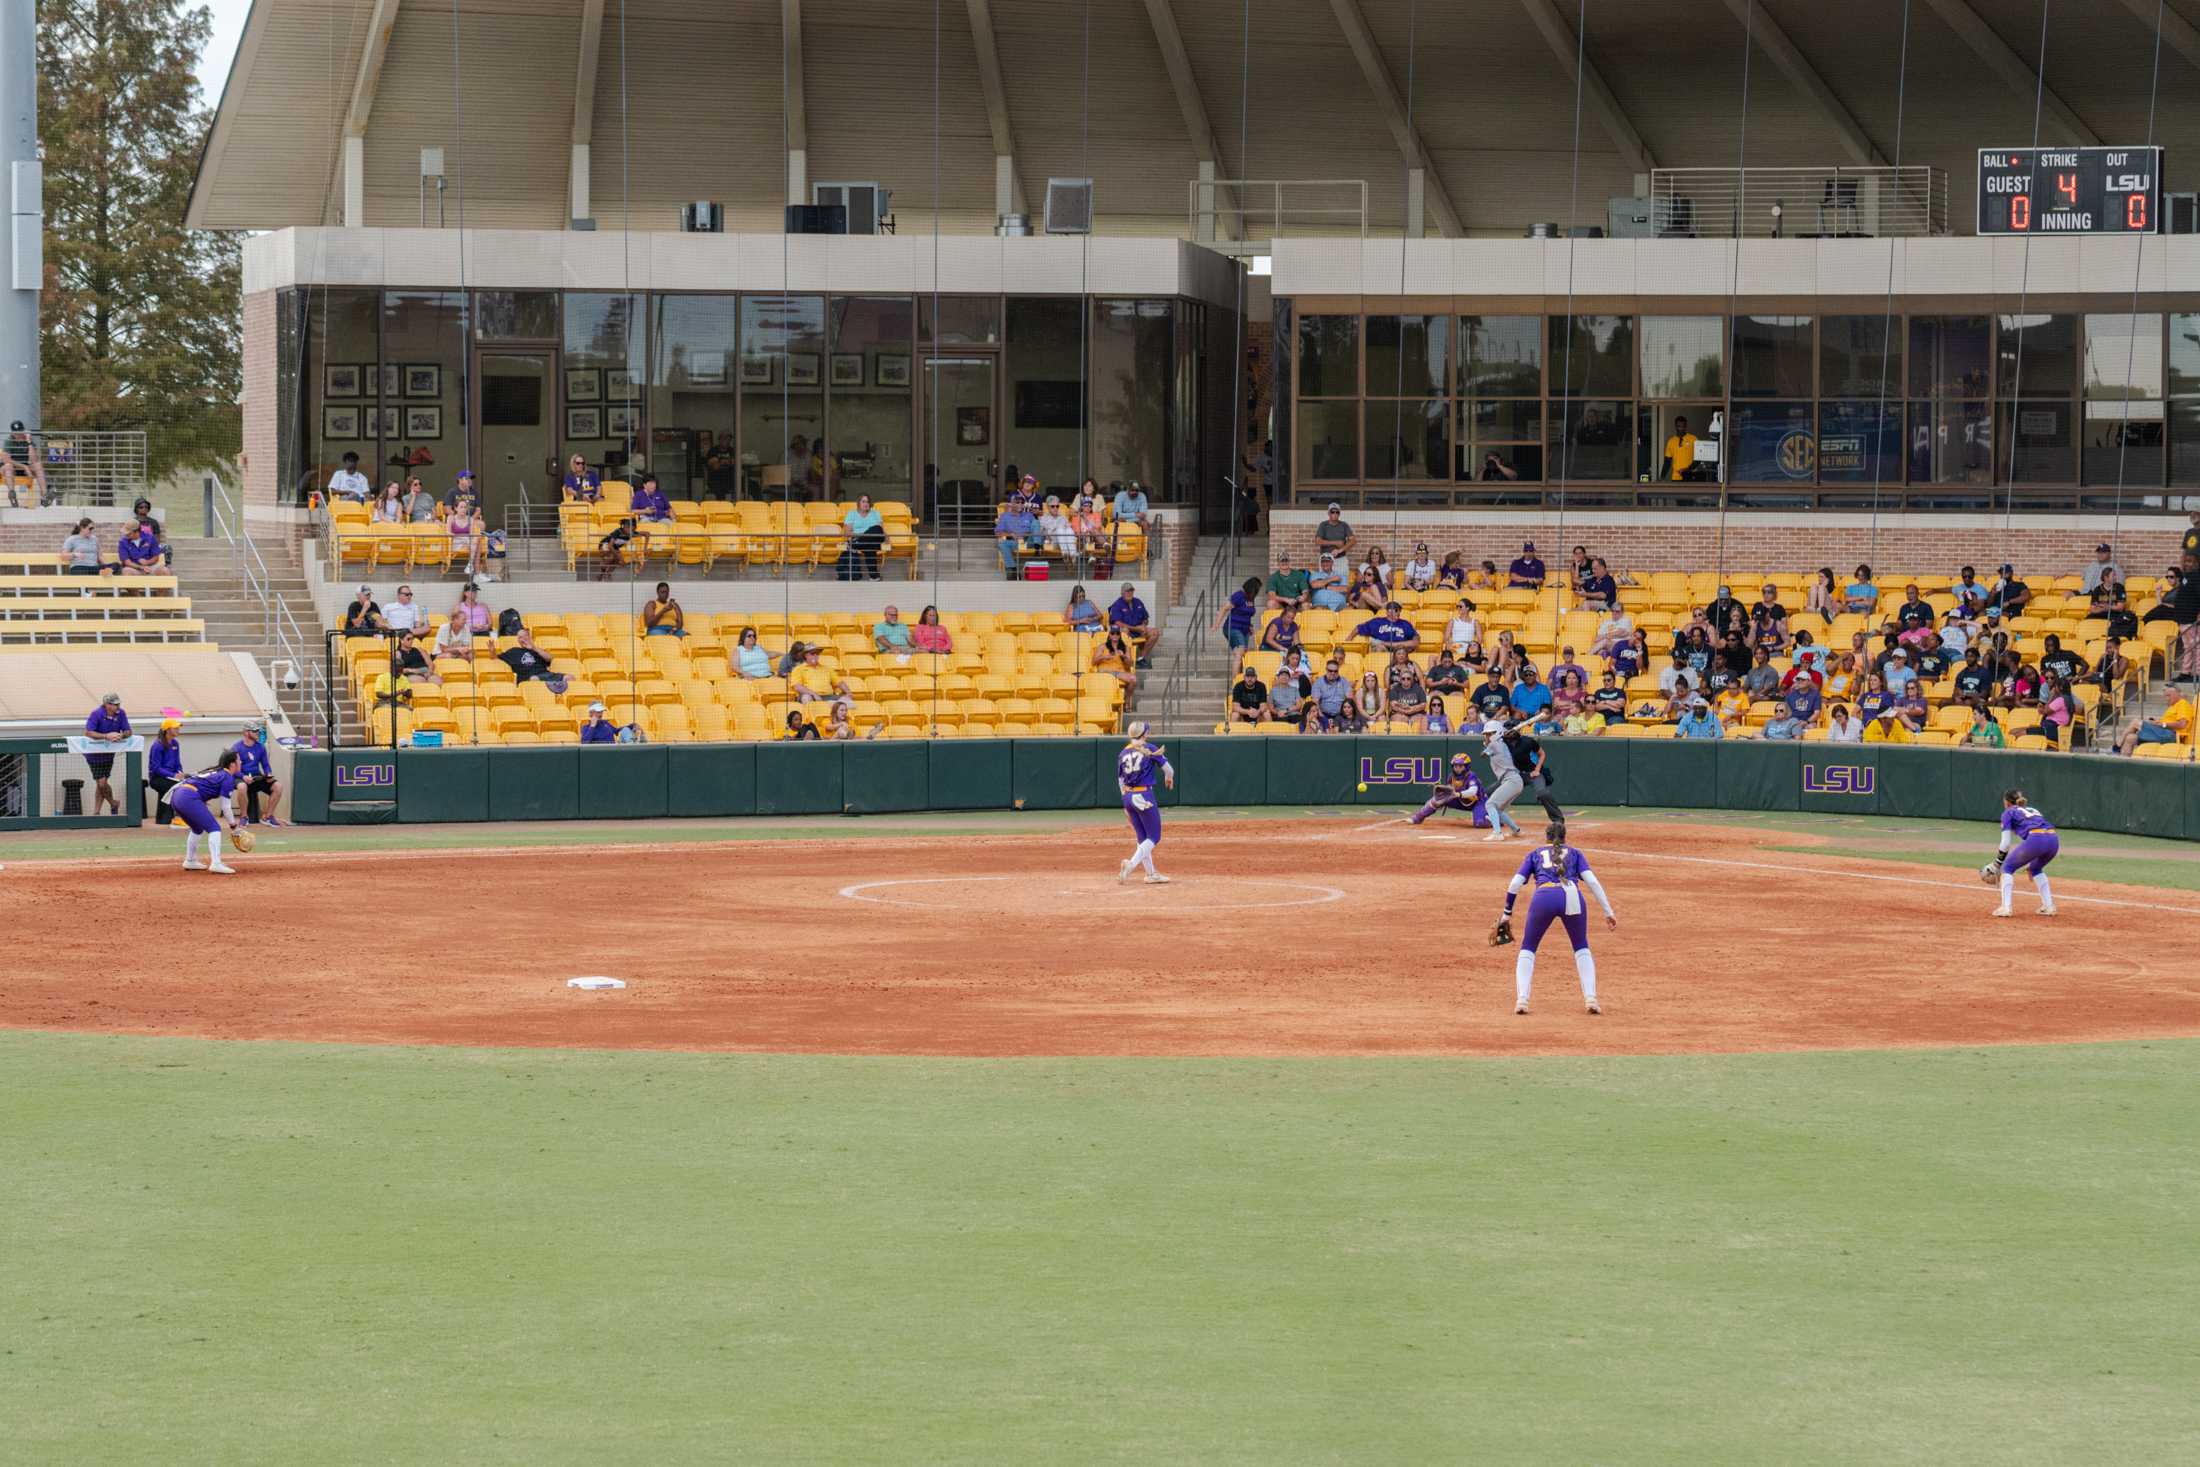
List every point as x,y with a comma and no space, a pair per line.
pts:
1363,786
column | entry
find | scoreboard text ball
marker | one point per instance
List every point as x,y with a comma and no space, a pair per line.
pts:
2069,190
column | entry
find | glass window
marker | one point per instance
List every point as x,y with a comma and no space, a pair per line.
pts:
1329,356
1509,429
2037,356
2123,421
1660,431
1774,443
1951,442
517,315
780,372
1772,356
1500,356
1329,440
1948,356
2184,389
1131,353
604,340
964,320
1592,356
1859,443
1681,358
1406,439
869,385
1044,395
424,381
2123,358
2037,439
1408,356
1860,356
343,370
1590,440
692,397
2184,356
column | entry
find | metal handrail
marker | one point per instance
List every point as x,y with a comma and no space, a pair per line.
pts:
278,627
1769,203
1207,215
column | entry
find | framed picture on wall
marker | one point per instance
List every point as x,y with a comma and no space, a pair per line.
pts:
583,384
393,380
756,371
421,422
706,369
802,369
973,426
622,384
342,424
583,422
620,422
847,369
423,379
893,369
342,380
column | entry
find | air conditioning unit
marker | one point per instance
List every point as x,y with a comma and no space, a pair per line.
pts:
2183,213
869,208
703,217
1069,206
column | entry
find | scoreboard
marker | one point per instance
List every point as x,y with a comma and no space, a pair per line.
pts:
2069,190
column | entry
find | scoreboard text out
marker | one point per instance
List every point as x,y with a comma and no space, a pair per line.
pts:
2069,190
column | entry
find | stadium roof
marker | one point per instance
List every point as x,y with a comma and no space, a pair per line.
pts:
688,100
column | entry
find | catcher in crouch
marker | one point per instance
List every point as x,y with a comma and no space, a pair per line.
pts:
1558,873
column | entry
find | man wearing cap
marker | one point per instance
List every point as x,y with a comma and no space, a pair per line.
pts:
1898,672
163,767
1699,722
1390,630
1421,570
462,491
1334,535
1721,610
348,483
1326,697
1289,586
257,776
363,617
1128,614
1131,506
1526,573
598,729
1887,728
2102,569
2008,596
1015,530
1325,586
108,724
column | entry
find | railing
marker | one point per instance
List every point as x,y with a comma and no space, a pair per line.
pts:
1255,212
1798,203
278,628
2022,499
94,467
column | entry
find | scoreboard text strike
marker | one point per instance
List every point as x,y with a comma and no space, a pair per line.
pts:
2069,190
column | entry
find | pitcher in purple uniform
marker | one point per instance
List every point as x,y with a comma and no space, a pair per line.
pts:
1136,768
190,800
1461,792
1558,872
2028,843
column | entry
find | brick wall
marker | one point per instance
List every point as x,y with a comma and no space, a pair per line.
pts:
1918,543
28,532
1179,535
260,366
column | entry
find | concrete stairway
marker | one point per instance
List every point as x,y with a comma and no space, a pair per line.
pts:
236,619
1191,652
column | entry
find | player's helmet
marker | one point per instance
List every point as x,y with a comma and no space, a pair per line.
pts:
1460,763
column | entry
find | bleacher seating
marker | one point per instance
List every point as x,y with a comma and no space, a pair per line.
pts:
1012,674
1541,626
42,607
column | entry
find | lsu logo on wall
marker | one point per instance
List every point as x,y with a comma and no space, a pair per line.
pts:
372,775
1839,779
1401,769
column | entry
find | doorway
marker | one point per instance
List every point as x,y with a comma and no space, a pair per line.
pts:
516,405
961,430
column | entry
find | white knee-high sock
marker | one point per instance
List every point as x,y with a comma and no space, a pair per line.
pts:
2008,887
214,849
190,847
1585,964
1523,975
2047,895
1143,856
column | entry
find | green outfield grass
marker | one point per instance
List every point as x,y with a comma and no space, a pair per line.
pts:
293,1253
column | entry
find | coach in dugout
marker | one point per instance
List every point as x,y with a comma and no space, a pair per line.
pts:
108,724
163,767
256,776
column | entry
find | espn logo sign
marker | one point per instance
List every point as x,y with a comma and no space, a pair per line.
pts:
1401,769
1839,779
365,775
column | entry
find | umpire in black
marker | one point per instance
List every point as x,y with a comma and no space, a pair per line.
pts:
1535,768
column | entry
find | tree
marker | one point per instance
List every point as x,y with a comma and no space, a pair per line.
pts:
140,315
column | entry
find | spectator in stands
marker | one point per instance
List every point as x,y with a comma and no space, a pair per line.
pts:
1578,567
1474,659
1609,699
455,638
1630,655
1235,621
470,607
1722,610
1955,634
1860,595
2061,661
410,663
662,615
2173,727
1530,696
1390,630
1452,574
1842,680
1350,718
1985,730
1762,681
1326,586
1131,507
1899,674
799,729
163,769
1405,692
1842,727
1447,674
1676,673
611,550
1734,656
1915,613
1802,701
1367,590
1128,615
2102,571
1585,720
582,484
1056,535
1015,531
471,531
749,659
1490,697
1886,727
2180,594
363,617
529,663
141,552
1462,629
1731,707
1824,598
1697,721
928,635
1484,577
1800,671
1023,489
1912,708
1783,725
106,724
1369,696
1696,650
1875,697
2058,711
1507,656
348,483
81,546
1420,571
1569,690
1248,702
1334,535
1599,592
2007,597
598,727
1088,523
256,776
389,506
651,504
1289,586
1082,614
813,681
1685,694
890,634
417,506
1377,565
2190,544
1326,697
1287,692
2114,672
1112,655
403,615
462,491
1974,680
2123,623
1526,572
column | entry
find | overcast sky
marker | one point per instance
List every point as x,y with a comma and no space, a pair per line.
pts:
228,26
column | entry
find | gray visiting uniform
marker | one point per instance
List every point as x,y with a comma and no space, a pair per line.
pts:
1508,784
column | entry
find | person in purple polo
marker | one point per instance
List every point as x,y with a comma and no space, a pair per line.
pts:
1526,573
257,775
164,767
108,724
651,502
1129,613
141,552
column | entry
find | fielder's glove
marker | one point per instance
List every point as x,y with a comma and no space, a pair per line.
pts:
1502,934
1990,873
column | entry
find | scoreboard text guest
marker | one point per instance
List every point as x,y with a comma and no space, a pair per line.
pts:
2069,190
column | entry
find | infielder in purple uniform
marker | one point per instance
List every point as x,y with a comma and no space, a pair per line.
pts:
2028,843
1461,792
1558,872
1135,771
189,800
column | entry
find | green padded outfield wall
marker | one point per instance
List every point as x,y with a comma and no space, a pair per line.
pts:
2081,792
